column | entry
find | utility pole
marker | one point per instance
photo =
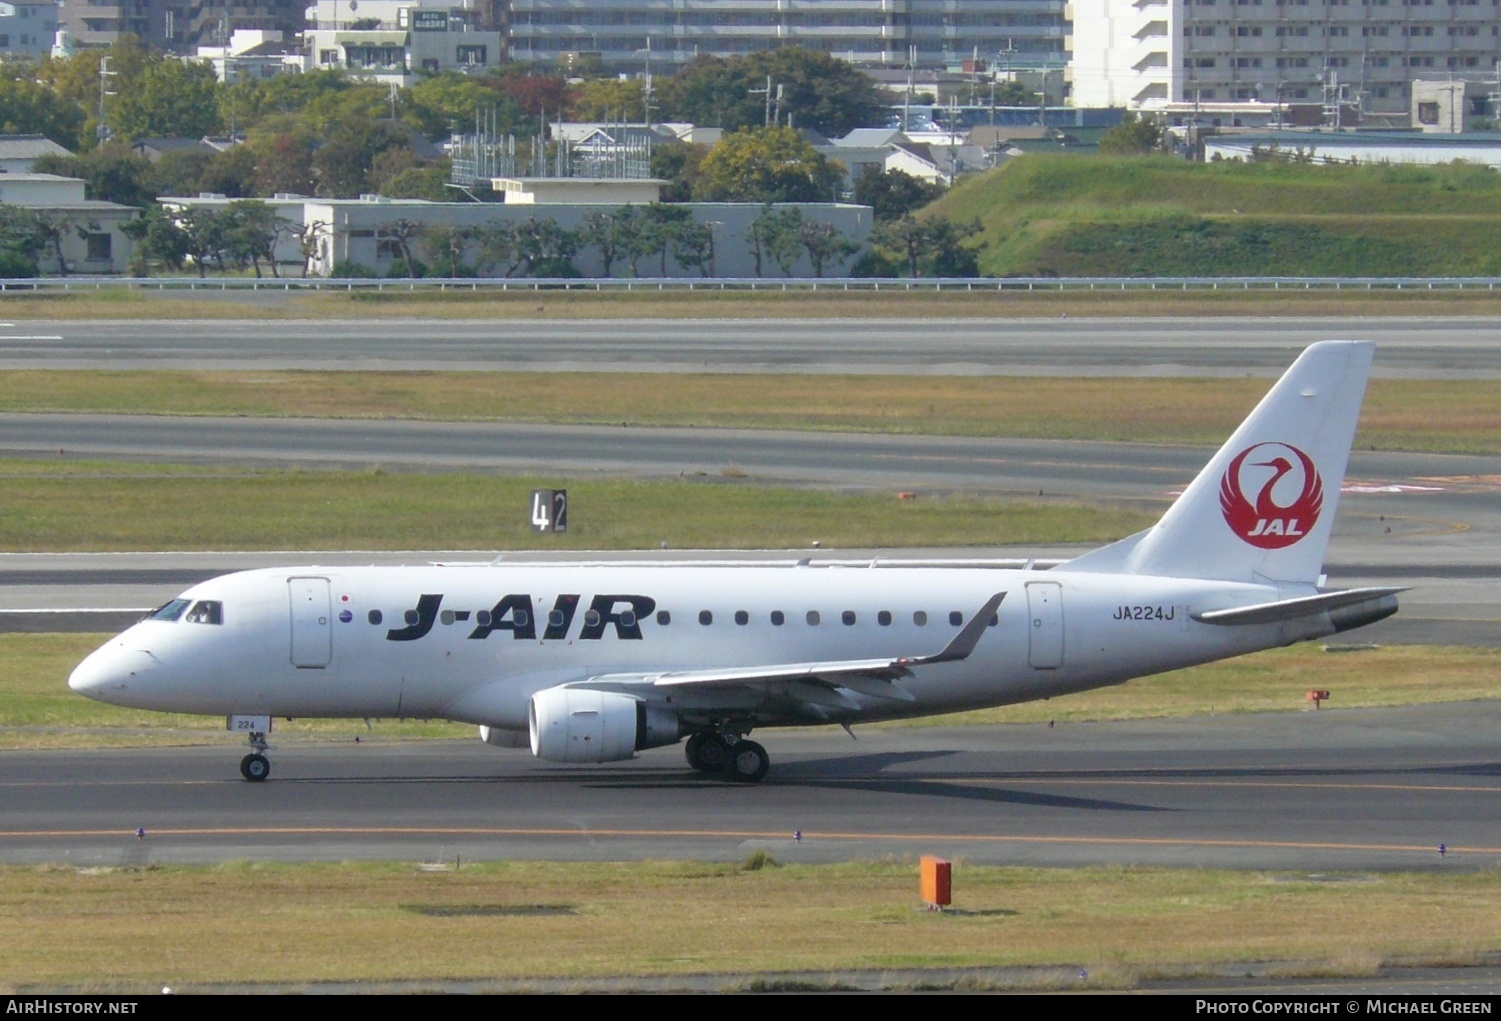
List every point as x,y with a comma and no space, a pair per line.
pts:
105,74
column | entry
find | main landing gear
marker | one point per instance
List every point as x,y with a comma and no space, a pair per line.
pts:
728,754
255,767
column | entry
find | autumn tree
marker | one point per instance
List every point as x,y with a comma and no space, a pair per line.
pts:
620,100
766,165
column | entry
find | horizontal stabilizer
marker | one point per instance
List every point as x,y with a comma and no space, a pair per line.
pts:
1304,606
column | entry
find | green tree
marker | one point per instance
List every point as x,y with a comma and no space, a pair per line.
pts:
1014,93
111,173
27,107
820,91
610,233
444,244
894,193
693,246
284,164
546,249
1133,136
608,99
663,225
168,98
342,164
444,104
678,164
22,241
933,244
779,233
817,91
250,229
233,172
766,165
159,241
824,244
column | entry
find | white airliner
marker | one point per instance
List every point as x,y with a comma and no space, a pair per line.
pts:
593,662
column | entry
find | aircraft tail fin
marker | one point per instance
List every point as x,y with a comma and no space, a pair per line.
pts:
1262,508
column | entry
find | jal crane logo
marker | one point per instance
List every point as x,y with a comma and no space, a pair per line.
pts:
1269,471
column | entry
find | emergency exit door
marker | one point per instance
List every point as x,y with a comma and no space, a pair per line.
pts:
312,631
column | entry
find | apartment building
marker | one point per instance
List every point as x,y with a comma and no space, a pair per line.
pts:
178,26
1155,54
630,34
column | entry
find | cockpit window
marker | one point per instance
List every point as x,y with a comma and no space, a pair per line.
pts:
171,611
206,611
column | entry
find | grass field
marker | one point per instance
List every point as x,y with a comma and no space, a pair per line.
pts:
138,930
124,304
1434,415
1069,216
94,506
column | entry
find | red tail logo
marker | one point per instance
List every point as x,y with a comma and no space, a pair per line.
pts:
1264,522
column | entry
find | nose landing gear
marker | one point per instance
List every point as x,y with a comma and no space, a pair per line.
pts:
255,767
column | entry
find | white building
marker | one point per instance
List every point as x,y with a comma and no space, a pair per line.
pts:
91,241
1360,53
364,231
396,41
252,53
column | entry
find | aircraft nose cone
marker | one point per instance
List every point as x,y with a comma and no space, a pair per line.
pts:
105,672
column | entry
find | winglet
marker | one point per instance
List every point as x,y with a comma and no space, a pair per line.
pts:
965,641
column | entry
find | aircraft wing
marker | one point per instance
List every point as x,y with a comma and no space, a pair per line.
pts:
809,682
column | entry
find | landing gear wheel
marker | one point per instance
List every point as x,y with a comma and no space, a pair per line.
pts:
748,762
707,753
255,768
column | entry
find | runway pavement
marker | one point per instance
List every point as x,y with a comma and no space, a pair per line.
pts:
1348,790
1447,348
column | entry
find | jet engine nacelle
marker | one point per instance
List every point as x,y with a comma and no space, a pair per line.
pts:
579,725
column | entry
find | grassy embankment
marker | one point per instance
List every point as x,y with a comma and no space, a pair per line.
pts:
1430,415
1051,215
137,930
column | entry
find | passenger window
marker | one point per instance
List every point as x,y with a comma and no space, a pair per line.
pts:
813,618
374,616
956,618
482,618
848,616
778,618
664,618
206,611
627,619
884,618
555,619
705,617
411,618
591,618
522,618
920,618
446,616
171,611
995,618
741,617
